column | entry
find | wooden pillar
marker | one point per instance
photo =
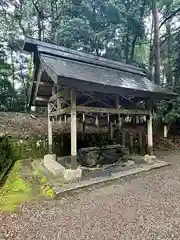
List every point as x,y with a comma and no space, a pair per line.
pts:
131,142
141,149
111,131
150,134
49,130
165,131
83,127
53,93
119,117
97,122
108,118
123,139
59,106
109,125
73,131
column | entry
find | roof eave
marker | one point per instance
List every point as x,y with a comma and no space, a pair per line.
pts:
30,45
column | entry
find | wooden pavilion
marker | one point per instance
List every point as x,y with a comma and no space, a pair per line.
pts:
73,83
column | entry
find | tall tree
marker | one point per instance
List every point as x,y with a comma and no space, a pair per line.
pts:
156,41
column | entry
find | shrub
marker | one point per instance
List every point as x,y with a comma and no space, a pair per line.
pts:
7,152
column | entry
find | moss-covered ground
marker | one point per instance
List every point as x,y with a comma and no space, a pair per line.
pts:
23,185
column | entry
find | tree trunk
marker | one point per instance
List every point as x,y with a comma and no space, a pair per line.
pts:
142,11
151,52
13,76
156,41
169,51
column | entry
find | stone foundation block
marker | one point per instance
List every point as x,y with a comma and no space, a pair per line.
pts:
149,158
52,165
70,174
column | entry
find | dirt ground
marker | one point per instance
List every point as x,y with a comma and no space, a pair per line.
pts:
142,207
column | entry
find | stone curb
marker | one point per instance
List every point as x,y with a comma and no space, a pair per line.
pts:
92,182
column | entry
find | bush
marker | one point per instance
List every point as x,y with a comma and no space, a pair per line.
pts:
7,153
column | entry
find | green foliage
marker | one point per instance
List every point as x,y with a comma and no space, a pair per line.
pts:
33,147
7,153
118,30
169,111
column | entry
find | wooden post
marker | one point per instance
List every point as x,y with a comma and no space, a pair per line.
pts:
111,131
53,93
150,134
59,106
141,143
108,119
119,117
109,125
165,131
65,119
62,140
97,122
131,141
49,130
73,131
123,139
84,125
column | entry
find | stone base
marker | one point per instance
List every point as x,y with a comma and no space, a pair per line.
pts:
129,163
72,174
57,169
52,166
149,158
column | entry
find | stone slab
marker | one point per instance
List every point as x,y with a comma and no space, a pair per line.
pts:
52,165
95,181
149,158
70,174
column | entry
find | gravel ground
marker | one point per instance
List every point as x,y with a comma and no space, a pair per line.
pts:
146,206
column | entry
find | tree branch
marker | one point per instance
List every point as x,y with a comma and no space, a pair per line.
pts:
165,36
173,14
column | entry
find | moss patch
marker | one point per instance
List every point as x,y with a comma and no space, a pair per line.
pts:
20,188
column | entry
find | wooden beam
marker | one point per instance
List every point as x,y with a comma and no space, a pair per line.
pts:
73,131
41,99
63,93
49,70
61,111
44,84
95,98
55,97
37,84
53,107
111,110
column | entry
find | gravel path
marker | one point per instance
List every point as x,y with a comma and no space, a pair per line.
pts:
142,207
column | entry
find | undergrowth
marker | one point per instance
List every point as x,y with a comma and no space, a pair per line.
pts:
18,190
